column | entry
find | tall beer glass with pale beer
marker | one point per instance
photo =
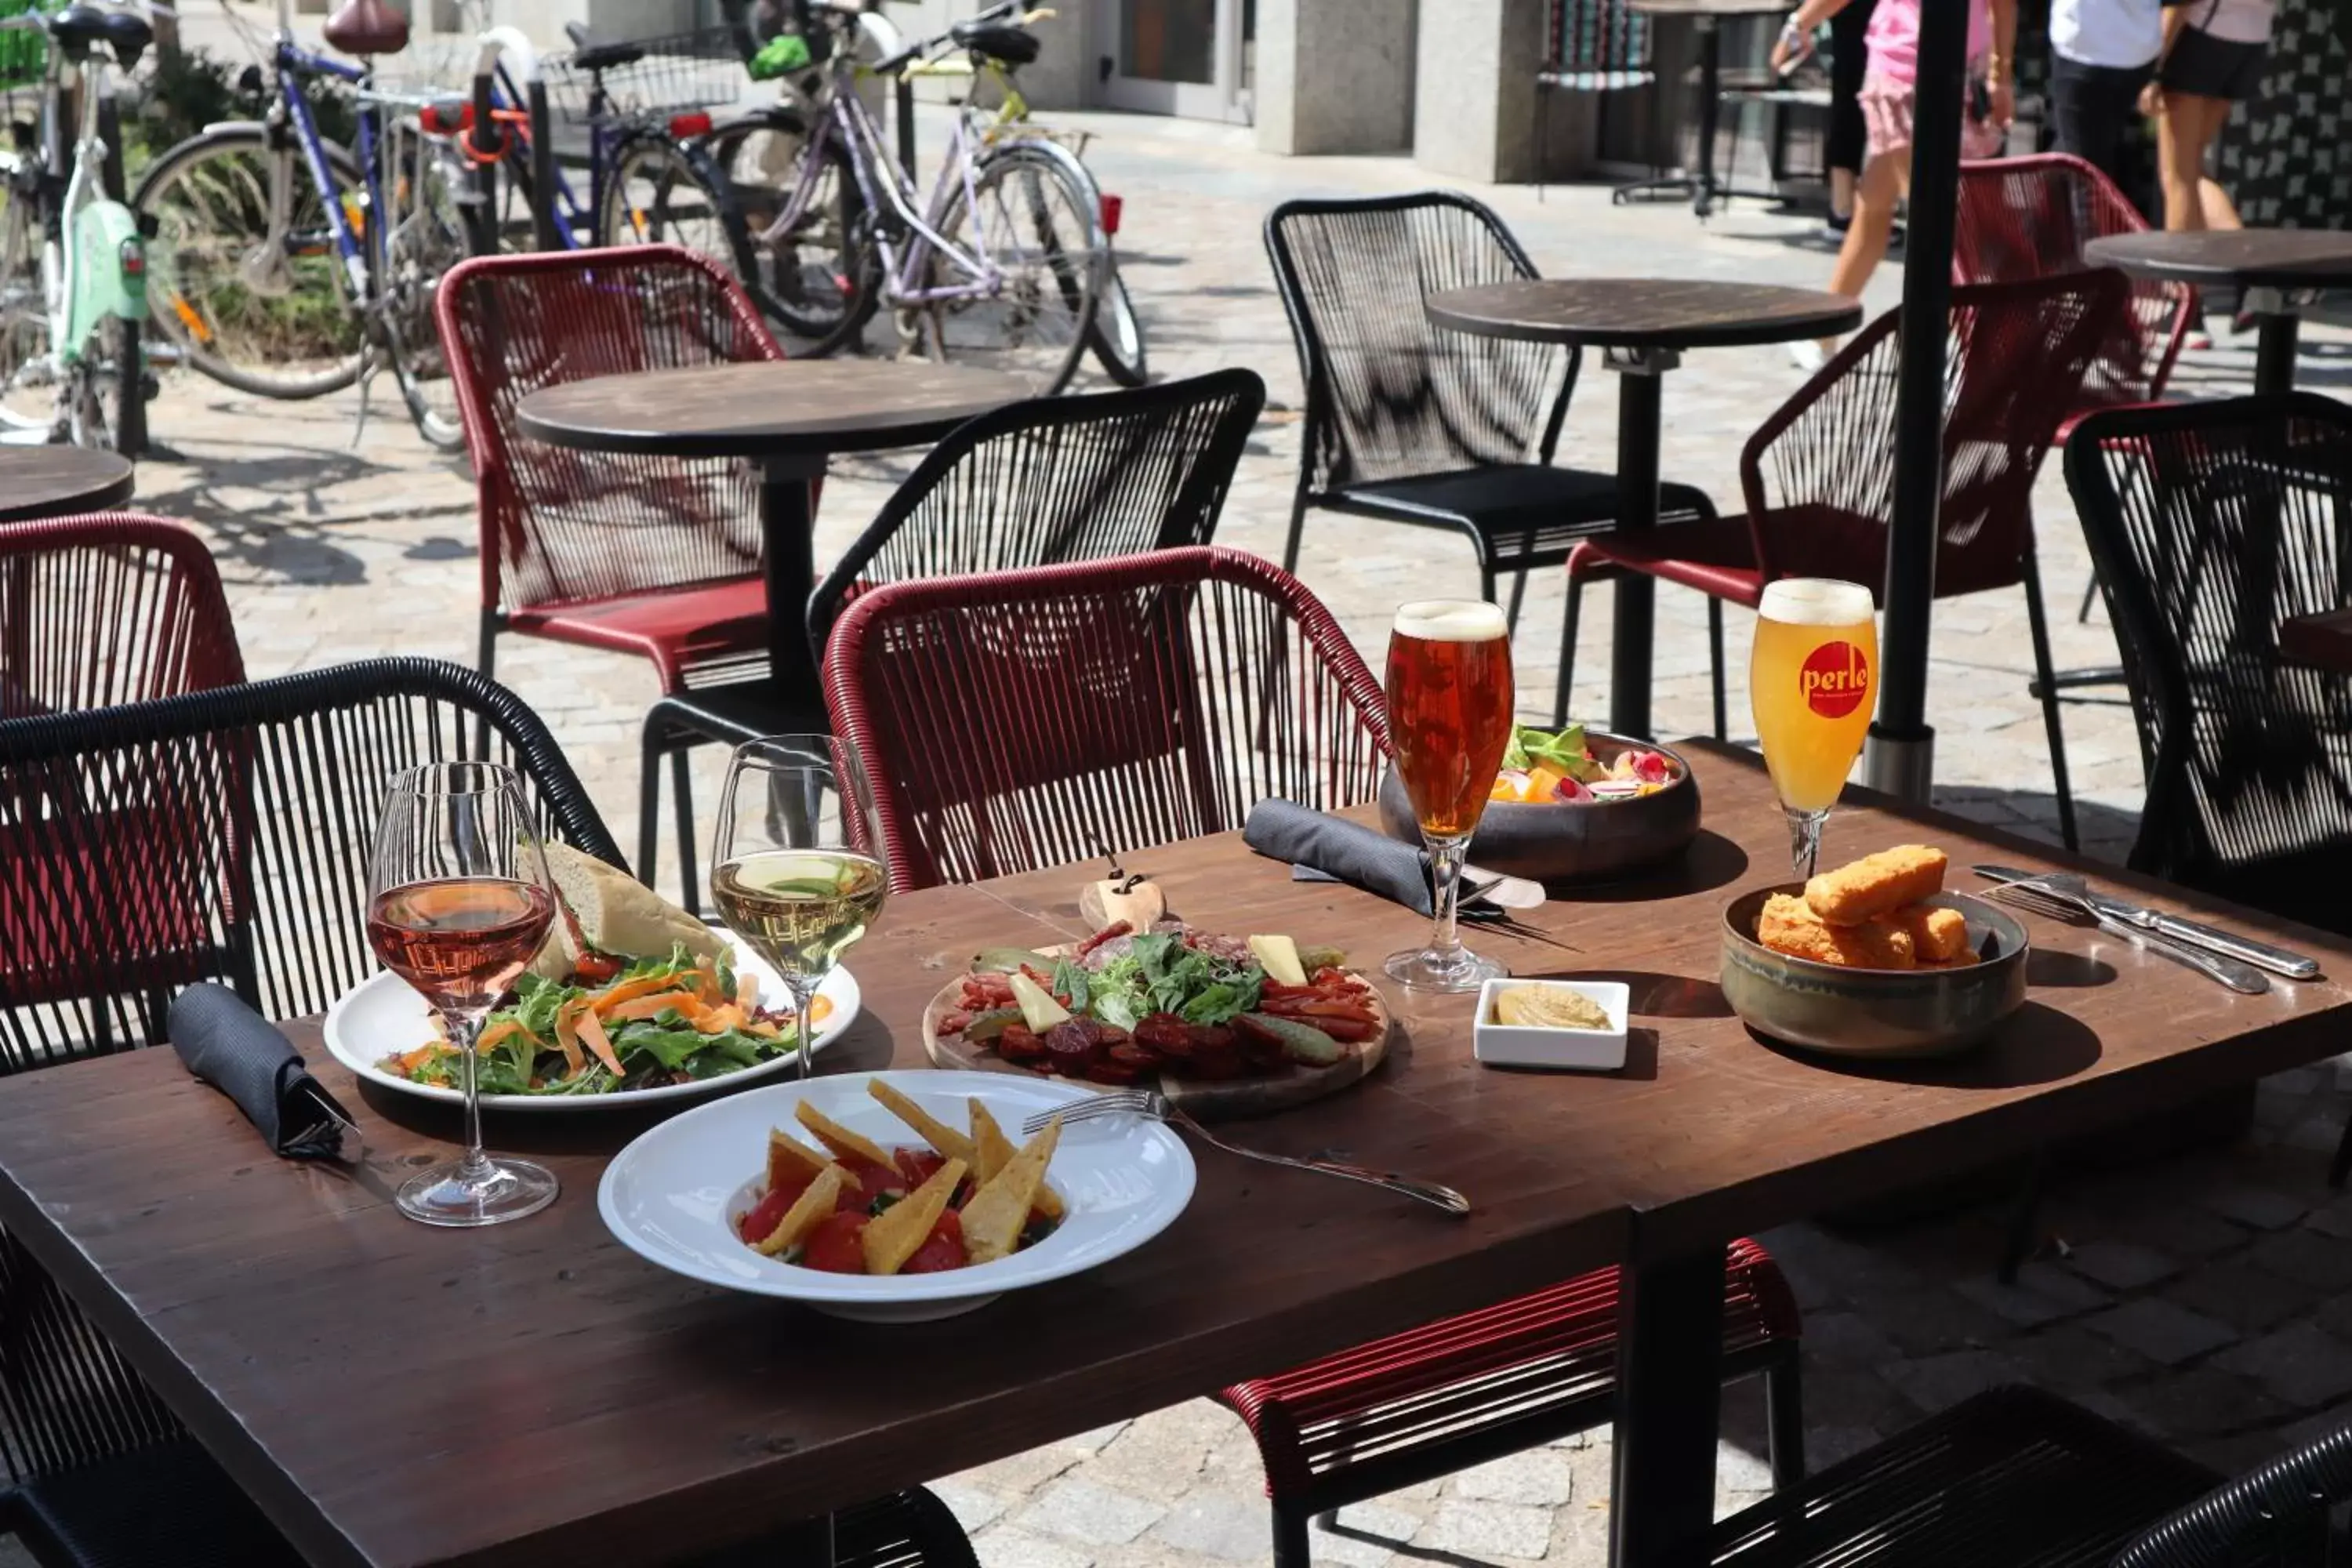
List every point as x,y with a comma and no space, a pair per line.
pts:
1813,679
1449,707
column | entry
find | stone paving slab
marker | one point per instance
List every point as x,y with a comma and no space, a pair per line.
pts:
2199,1301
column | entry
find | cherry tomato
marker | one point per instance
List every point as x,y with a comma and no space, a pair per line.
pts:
917,1166
595,969
873,1181
835,1246
761,1223
941,1250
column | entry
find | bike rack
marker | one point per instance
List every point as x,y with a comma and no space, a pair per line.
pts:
487,141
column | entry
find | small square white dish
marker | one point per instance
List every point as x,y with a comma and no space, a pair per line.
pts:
1583,1050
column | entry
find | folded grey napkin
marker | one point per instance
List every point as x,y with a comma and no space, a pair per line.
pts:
1315,842
236,1050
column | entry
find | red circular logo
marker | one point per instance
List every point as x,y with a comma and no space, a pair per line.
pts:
1834,680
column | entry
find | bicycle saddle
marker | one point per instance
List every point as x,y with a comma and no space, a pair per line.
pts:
366,27
998,40
79,28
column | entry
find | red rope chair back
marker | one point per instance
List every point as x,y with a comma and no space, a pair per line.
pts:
2023,219
1033,718
1819,475
109,608
561,526
1389,395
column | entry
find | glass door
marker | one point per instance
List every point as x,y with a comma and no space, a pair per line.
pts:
1190,58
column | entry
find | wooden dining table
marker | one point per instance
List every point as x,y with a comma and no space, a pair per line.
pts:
535,1394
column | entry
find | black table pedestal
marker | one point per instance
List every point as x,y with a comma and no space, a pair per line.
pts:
1669,1372
1640,388
2277,325
788,527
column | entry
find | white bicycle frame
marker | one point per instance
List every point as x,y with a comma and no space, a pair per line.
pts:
59,255
844,114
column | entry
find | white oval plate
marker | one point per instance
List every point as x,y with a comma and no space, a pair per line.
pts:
673,1196
384,1015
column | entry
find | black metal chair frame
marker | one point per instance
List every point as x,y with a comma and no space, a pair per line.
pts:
735,714
2172,842
1323,446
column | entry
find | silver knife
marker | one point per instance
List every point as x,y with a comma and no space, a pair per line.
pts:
2277,960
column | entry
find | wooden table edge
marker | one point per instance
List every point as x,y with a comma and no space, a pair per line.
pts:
1791,330
116,491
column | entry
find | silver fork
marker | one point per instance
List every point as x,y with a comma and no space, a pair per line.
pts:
1157,1106
2212,966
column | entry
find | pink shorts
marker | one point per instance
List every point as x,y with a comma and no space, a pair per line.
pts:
1886,115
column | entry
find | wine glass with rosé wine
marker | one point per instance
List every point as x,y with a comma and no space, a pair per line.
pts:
1449,707
459,901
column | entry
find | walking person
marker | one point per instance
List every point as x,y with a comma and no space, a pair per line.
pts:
1848,138
1888,87
2211,57
2102,53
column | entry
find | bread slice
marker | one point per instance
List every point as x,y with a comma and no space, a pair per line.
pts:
615,914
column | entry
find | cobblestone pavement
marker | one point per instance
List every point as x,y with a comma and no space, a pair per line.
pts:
2197,1298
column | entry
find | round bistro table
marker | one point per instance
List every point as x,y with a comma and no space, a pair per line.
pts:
1642,325
789,416
2275,267
57,481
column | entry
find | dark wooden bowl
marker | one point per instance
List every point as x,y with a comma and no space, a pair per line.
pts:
1875,1012
1593,842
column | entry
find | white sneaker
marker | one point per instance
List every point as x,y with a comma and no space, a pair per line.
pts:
1806,355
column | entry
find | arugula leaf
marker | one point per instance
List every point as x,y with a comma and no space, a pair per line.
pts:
1070,980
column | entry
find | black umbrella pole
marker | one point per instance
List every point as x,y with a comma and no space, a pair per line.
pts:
544,234
483,136
1900,757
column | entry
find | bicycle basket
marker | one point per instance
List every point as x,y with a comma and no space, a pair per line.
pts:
22,54
677,71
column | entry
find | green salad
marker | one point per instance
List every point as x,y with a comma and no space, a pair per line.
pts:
614,1025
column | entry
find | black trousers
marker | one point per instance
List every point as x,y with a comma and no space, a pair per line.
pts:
1849,58
2094,108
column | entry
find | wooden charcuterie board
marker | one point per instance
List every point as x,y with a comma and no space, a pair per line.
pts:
1207,1100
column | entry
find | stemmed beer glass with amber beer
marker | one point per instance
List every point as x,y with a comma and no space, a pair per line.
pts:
1450,715
1811,679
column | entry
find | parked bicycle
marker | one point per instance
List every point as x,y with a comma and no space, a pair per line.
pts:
73,268
1003,263
286,265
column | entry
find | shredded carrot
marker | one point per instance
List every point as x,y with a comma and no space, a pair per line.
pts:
627,989
649,1006
567,1035
747,992
591,1030
497,1033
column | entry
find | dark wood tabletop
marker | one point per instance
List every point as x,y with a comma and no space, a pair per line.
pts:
2323,641
1642,313
2279,257
797,408
535,1394
58,481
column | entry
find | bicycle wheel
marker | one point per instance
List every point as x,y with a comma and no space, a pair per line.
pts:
1032,217
265,312
820,279
659,192
1116,334
427,237
107,407
28,389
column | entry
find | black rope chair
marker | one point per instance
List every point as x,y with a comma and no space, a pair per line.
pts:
2014,1477
2277,1516
1036,483
220,835
2210,523
1407,423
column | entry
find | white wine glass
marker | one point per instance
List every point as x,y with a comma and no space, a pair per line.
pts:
458,901
796,865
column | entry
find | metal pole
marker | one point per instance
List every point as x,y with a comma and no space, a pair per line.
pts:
1900,755
484,136
543,233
